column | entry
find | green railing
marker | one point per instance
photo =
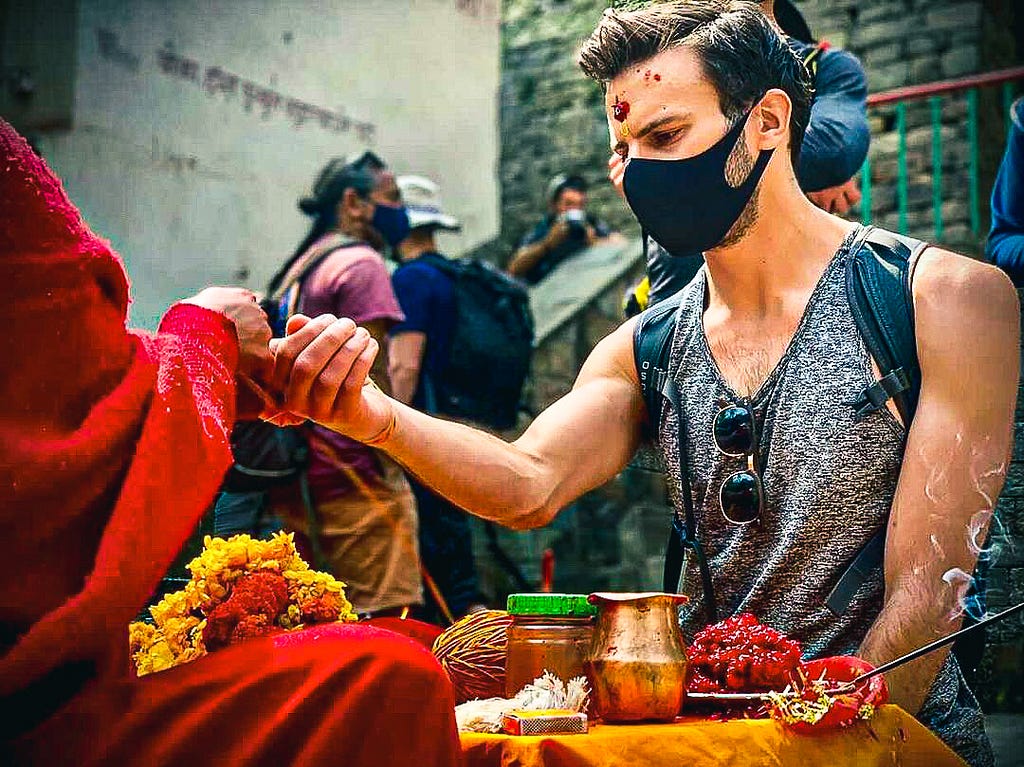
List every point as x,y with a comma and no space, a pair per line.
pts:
933,94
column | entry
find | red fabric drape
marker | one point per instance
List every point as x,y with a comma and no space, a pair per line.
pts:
112,445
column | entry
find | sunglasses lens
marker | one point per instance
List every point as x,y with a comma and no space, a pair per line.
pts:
734,430
741,498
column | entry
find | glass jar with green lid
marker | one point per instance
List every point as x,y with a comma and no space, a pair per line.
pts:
549,632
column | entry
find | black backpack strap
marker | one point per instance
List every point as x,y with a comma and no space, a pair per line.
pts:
683,534
652,343
878,287
878,284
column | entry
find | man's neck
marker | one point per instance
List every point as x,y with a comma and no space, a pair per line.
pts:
783,253
415,251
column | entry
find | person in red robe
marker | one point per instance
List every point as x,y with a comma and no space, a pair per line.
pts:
112,445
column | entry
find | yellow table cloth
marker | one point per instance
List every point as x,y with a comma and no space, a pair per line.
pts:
891,737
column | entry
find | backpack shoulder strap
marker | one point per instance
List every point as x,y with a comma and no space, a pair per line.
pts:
652,342
288,292
878,285
812,56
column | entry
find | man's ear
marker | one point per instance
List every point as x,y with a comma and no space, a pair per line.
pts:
772,116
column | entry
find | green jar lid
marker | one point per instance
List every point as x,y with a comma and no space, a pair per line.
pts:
567,605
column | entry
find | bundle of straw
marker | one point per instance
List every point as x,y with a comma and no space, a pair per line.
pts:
472,651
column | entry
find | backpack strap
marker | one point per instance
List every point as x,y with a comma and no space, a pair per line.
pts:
287,293
811,59
879,290
878,285
652,343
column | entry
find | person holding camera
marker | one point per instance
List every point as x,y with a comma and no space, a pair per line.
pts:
565,230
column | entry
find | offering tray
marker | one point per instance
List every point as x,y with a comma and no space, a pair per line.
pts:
725,698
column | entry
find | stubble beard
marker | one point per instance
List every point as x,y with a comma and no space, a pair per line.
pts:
738,168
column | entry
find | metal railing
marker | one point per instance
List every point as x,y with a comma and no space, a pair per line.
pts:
934,93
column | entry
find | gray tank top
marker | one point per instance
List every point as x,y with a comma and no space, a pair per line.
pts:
829,482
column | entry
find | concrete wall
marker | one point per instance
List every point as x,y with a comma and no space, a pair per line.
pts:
196,126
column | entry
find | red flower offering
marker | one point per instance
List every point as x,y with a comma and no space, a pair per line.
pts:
741,655
819,706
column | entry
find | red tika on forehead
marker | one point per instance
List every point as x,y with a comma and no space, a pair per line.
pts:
620,110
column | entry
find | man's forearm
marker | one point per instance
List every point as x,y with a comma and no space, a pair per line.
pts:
404,382
902,626
476,471
526,258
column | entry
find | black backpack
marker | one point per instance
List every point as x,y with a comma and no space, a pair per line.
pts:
268,456
878,285
491,347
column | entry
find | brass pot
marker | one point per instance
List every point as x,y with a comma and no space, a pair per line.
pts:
637,660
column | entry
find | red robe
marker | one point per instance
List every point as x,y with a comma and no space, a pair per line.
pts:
112,444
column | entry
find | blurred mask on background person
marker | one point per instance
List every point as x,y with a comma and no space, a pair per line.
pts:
380,215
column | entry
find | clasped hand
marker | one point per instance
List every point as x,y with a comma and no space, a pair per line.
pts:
321,373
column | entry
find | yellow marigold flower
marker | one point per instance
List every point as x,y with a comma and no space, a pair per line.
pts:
177,636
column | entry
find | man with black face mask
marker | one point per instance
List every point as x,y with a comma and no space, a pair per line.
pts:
365,509
788,479
833,149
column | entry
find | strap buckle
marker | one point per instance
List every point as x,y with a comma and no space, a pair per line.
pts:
874,397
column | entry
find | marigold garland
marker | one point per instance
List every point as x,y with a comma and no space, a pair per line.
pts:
180,619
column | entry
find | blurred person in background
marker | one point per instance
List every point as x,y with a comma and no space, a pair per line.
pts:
833,151
1005,246
365,509
112,444
418,351
566,229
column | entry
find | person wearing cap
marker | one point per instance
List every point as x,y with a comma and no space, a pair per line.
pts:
364,505
417,353
565,230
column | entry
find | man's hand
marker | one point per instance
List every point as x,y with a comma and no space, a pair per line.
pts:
837,199
239,305
557,234
616,171
322,367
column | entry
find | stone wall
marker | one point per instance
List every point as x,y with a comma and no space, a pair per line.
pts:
552,120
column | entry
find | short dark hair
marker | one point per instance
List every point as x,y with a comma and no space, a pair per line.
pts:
564,181
741,52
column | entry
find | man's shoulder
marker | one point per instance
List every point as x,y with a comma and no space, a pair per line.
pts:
956,298
948,279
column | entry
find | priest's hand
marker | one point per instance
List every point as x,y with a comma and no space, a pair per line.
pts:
239,305
321,370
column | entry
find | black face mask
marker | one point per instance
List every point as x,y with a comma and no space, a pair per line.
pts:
686,205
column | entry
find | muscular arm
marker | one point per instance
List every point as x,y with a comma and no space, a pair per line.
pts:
405,360
578,443
954,465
